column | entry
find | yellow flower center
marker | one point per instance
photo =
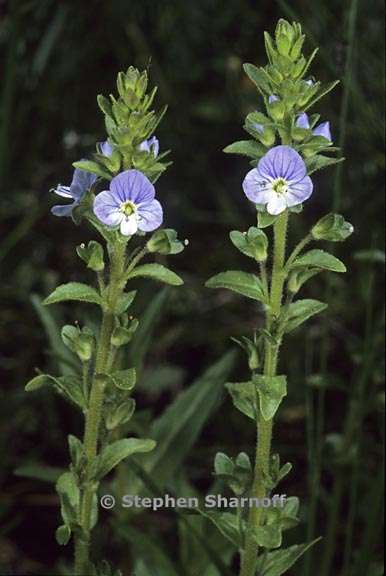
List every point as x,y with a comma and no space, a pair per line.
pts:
128,208
280,186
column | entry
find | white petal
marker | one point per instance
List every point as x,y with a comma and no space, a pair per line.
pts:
277,204
129,225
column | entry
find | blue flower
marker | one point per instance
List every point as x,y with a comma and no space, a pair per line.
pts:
80,184
322,129
273,98
279,181
106,148
150,145
129,203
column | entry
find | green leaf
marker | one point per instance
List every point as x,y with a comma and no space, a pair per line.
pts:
68,386
258,78
264,219
39,472
302,310
116,416
63,534
177,429
37,382
69,494
249,148
125,301
323,91
269,536
125,379
93,167
243,283
74,291
114,453
227,523
318,162
320,259
271,391
244,397
278,562
156,272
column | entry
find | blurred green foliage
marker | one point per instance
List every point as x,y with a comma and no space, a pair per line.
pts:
55,58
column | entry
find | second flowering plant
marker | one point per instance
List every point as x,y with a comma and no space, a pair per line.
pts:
287,146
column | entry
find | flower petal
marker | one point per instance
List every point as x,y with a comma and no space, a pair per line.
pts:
302,121
106,148
81,183
323,130
150,216
107,209
63,191
277,204
65,210
132,185
300,191
256,188
282,162
129,225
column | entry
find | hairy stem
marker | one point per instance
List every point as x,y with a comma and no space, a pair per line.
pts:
264,428
94,412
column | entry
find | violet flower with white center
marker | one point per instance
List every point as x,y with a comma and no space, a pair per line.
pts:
279,181
80,184
129,203
322,129
150,145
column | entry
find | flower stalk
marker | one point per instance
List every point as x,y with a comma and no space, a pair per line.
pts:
264,428
94,412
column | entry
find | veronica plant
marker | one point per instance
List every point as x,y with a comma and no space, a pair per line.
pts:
287,146
114,192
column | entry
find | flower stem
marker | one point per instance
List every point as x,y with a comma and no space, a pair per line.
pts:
264,427
95,405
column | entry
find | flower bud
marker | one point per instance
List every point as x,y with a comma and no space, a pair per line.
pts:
92,254
165,242
332,227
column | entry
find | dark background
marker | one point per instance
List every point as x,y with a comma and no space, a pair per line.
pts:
55,58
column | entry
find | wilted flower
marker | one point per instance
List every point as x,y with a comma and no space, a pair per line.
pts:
129,203
279,181
150,145
322,129
81,183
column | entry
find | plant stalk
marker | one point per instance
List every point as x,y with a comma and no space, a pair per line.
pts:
95,405
264,427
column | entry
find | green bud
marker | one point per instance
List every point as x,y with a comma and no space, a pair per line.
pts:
267,137
332,227
250,347
116,416
165,242
92,254
276,110
122,333
253,243
81,342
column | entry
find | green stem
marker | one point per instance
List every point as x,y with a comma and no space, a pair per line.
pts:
264,428
94,412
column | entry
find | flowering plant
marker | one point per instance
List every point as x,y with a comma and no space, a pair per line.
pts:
286,148
122,211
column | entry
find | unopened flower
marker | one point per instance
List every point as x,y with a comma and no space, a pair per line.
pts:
322,129
81,183
273,98
150,145
106,148
279,181
129,203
